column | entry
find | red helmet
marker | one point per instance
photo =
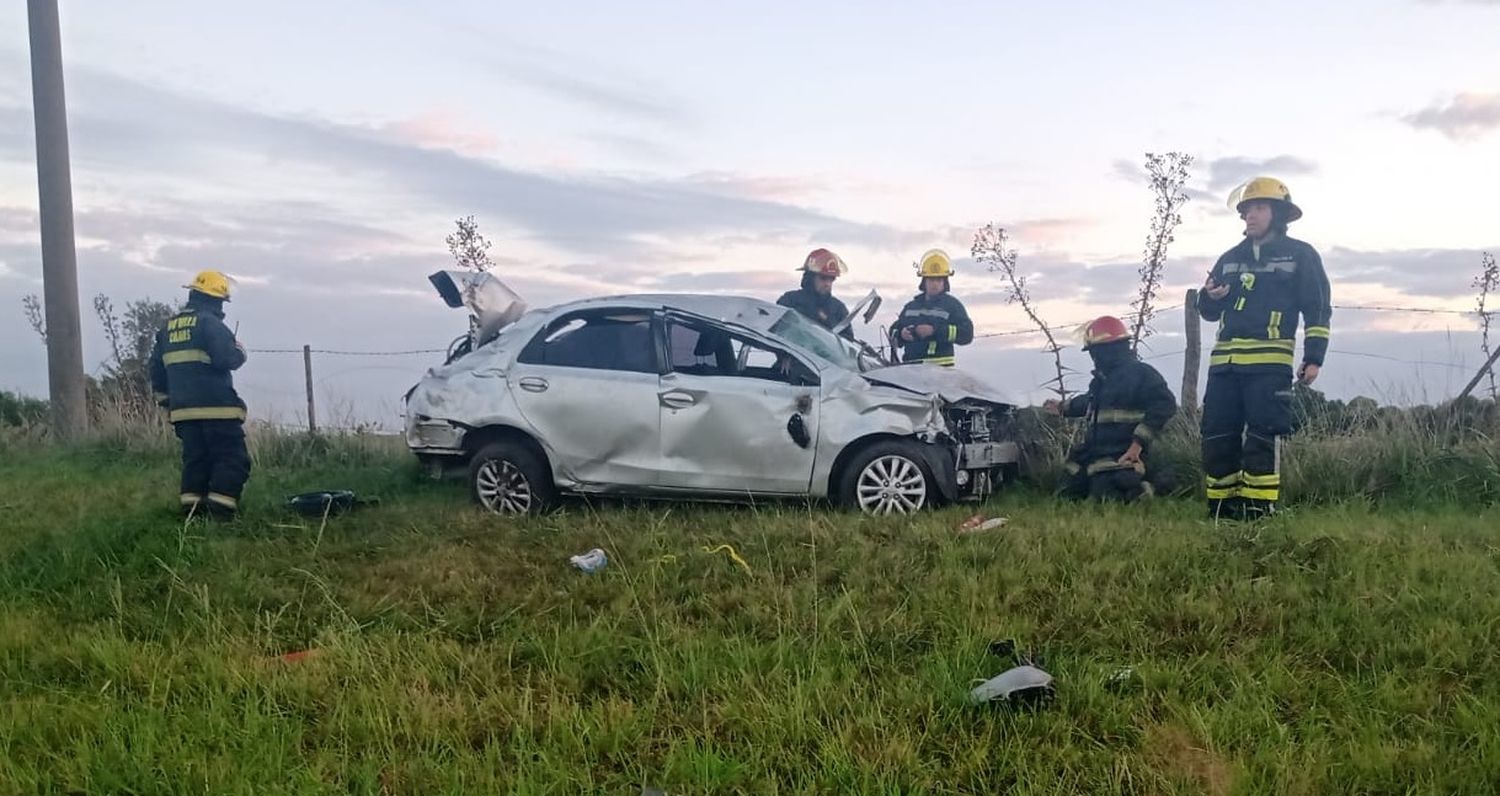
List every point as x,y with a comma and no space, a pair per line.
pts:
1101,330
824,262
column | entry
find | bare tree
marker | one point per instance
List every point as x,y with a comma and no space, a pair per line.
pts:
992,248
1487,283
470,249
105,309
1168,174
35,317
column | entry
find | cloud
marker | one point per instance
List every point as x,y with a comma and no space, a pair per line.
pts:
1439,273
1465,117
1227,172
120,123
444,129
612,97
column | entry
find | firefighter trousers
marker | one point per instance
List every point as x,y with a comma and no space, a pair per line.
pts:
1246,412
215,465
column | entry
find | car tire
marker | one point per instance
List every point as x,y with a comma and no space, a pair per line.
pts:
508,479
890,477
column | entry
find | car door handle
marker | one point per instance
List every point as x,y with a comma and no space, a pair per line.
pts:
677,400
533,384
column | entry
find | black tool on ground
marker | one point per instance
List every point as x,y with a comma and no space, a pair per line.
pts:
326,502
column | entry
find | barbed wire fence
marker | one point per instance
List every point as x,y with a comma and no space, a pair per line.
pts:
1191,367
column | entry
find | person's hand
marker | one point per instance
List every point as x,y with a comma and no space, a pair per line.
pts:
1053,407
1215,290
906,334
1308,373
925,331
1131,457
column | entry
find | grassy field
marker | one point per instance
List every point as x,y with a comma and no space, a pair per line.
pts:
1340,649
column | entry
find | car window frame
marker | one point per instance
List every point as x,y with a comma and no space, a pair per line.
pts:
534,352
809,376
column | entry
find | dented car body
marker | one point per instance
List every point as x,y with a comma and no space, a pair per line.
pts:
703,397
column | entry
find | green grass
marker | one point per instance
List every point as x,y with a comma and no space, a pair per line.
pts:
1341,649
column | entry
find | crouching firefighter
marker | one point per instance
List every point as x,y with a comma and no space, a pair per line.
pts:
815,298
934,322
190,371
1256,291
1127,406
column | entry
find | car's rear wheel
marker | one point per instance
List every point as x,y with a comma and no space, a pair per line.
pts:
888,478
509,479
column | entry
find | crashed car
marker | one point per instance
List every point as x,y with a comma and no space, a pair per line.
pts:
701,397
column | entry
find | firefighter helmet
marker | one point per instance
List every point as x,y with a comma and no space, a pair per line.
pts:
1267,188
212,283
824,263
1101,330
935,263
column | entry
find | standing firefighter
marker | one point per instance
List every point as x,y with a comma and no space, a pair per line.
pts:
190,372
1256,291
934,322
1127,406
815,298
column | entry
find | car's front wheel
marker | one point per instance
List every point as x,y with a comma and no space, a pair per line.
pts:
888,478
509,479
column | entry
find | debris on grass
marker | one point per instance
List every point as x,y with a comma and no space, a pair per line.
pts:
590,562
979,524
1023,686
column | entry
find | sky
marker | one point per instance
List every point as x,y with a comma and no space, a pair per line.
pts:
320,153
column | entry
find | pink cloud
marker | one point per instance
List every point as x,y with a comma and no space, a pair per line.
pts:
444,129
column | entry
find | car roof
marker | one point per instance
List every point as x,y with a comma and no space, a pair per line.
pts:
751,312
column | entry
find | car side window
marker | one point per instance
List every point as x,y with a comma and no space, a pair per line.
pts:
595,341
706,351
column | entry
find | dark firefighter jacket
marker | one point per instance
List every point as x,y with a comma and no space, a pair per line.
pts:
950,323
192,361
1128,401
1258,319
826,311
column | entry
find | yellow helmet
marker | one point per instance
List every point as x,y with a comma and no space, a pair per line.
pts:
212,283
935,263
1268,188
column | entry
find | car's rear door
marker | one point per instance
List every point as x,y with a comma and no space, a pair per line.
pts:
589,382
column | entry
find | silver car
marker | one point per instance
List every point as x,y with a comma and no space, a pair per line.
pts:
698,397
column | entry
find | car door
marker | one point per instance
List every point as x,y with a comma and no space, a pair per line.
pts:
737,416
588,383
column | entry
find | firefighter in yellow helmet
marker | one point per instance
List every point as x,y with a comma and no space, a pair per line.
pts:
933,322
191,367
1257,291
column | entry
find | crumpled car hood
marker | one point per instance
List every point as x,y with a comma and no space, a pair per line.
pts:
950,384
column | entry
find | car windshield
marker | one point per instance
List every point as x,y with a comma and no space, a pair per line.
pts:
796,328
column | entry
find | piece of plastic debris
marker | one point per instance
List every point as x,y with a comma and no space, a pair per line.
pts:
978,524
1123,678
733,556
1021,686
590,562
301,655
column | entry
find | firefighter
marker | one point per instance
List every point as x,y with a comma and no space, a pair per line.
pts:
1127,406
1256,291
815,298
195,354
931,324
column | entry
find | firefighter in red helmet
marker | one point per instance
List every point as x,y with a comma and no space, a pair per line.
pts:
1126,407
815,299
